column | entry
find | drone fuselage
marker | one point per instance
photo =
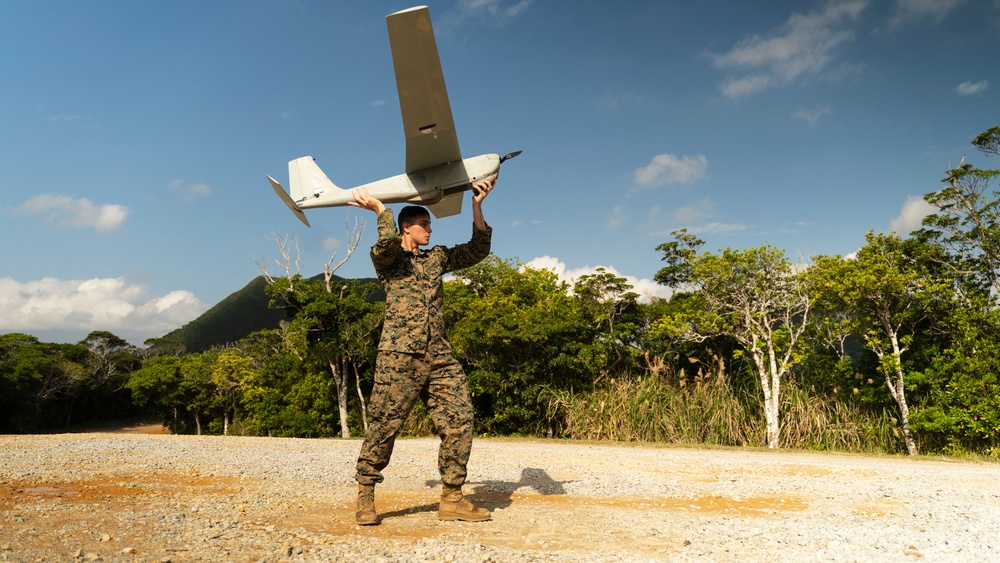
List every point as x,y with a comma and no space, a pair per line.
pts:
423,187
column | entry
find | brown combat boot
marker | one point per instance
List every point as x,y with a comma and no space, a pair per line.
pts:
454,506
366,515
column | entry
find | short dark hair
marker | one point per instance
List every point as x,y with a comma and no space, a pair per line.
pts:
411,213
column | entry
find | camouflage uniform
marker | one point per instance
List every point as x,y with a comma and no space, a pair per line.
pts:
414,357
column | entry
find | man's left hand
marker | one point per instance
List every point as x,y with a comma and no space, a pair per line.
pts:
482,189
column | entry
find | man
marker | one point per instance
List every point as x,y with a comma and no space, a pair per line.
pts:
414,358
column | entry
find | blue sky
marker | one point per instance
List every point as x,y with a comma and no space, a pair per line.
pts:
136,135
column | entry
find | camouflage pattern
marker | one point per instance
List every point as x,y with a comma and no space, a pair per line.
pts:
414,354
414,315
439,381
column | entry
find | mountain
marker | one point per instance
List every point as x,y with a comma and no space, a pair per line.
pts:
236,316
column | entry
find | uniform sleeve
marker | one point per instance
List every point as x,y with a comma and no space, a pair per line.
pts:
470,253
384,251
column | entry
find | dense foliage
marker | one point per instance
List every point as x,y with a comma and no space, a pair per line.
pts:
891,349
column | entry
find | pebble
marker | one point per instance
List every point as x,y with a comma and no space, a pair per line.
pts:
615,503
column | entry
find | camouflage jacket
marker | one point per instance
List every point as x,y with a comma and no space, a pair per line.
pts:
414,293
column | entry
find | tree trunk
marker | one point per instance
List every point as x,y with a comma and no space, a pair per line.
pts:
898,392
904,410
771,414
774,425
197,422
361,398
339,377
69,414
770,399
225,423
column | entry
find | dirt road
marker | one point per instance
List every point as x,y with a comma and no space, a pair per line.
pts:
155,497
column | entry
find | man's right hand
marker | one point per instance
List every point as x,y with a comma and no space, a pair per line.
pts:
364,200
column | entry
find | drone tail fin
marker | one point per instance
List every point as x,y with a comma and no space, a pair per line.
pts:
306,180
278,189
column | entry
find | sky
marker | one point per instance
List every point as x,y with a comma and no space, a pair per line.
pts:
136,136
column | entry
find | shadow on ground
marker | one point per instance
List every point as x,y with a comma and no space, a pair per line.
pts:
492,495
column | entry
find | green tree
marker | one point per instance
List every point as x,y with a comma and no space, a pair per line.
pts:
962,411
274,370
752,296
335,329
162,347
328,314
617,318
39,380
108,361
201,397
522,336
966,219
231,369
888,294
160,386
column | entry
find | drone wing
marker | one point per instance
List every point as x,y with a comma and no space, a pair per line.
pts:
431,139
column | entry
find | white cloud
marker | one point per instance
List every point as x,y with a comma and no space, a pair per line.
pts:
717,228
617,217
516,223
72,309
331,244
668,169
494,12
691,217
191,192
646,288
616,99
804,45
969,88
812,116
691,213
912,215
739,87
494,7
916,11
199,190
77,213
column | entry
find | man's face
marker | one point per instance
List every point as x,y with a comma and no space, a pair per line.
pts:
419,231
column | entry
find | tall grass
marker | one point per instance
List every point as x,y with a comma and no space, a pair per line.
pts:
664,407
667,408
656,409
816,422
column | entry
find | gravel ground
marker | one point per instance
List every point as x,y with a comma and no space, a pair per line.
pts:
163,498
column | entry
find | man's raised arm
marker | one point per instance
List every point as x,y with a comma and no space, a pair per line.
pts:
479,192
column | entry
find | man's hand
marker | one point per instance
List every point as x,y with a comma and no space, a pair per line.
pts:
482,189
479,192
365,201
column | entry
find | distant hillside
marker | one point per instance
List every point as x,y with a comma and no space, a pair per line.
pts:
235,317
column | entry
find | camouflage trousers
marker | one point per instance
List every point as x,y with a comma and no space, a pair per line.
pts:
438,379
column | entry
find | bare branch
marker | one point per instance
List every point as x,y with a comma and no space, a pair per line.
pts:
290,261
353,240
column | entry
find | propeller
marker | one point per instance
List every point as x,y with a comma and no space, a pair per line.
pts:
509,156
